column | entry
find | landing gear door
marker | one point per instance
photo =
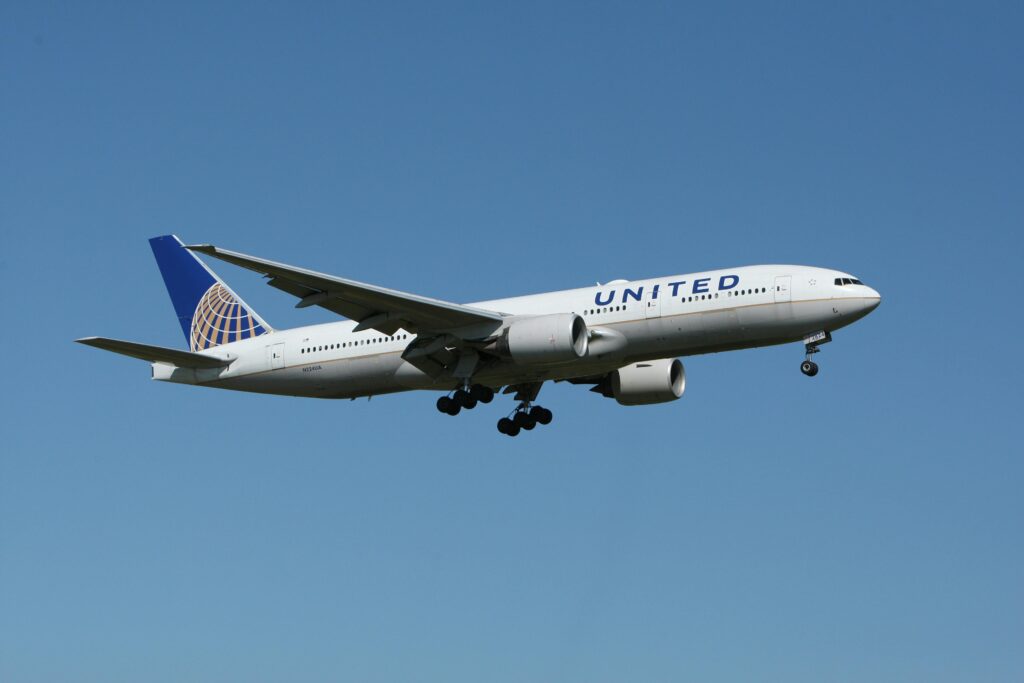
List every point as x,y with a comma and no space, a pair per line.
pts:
275,353
652,303
782,288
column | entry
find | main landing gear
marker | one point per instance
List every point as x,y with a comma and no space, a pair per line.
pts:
524,417
465,398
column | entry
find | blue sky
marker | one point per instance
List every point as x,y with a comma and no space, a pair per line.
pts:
864,525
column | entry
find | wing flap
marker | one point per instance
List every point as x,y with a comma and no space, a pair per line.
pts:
382,309
155,354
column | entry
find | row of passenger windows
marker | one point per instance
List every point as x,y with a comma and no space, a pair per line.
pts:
685,299
847,281
358,342
742,292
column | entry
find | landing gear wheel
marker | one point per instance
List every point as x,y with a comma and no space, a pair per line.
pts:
481,393
524,421
444,404
809,368
506,426
541,415
464,399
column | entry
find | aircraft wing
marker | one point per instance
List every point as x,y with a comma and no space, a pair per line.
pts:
155,354
374,307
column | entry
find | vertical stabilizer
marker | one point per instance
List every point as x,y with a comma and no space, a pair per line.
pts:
210,313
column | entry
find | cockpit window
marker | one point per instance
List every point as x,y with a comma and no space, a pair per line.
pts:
847,281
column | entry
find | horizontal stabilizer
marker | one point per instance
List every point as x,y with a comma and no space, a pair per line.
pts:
155,354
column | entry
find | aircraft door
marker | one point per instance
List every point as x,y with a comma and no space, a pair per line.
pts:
652,303
276,354
782,288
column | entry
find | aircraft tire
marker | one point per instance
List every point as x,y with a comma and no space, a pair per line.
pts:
541,415
464,399
524,421
482,393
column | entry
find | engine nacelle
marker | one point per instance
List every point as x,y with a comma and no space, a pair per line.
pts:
545,339
655,381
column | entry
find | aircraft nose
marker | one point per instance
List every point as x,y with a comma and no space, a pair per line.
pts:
873,299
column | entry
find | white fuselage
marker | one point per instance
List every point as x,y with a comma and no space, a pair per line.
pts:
630,321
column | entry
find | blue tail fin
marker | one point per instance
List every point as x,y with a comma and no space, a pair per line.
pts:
210,314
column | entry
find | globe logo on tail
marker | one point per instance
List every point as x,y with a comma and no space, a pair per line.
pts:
220,318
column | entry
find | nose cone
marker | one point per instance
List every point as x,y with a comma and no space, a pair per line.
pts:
872,300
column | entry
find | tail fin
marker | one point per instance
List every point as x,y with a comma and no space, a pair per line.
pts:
210,314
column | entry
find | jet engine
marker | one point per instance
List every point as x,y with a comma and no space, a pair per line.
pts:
544,339
655,381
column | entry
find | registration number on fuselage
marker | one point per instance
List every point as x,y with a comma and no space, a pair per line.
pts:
821,336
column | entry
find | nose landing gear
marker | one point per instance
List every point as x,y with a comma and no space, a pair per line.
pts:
811,343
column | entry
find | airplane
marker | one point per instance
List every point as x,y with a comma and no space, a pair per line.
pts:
623,338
